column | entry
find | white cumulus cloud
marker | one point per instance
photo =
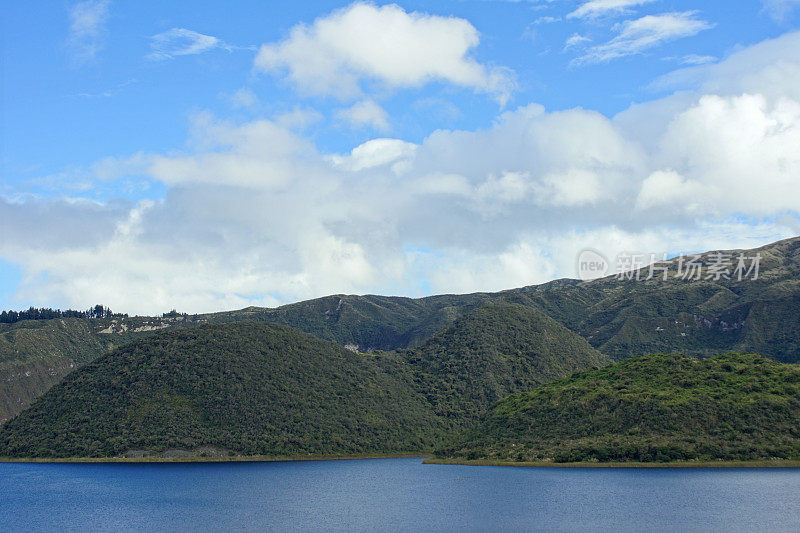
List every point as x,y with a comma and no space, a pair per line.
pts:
386,44
771,68
376,153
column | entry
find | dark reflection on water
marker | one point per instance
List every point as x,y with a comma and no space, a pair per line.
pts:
392,495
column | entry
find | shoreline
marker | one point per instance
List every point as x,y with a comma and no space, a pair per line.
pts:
779,463
212,459
426,459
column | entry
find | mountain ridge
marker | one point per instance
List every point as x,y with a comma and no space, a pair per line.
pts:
619,318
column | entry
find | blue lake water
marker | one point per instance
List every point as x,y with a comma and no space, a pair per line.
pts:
392,495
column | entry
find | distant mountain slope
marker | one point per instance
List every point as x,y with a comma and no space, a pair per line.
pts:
706,317
654,408
368,322
619,318
37,354
246,388
491,352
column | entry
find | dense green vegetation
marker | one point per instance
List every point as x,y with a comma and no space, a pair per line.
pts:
491,352
261,389
37,354
251,388
654,408
245,388
618,318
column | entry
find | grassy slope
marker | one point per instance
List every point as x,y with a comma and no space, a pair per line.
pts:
253,389
654,408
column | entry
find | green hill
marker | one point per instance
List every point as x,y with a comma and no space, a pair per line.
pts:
259,389
619,318
37,354
243,388
653,408
491,352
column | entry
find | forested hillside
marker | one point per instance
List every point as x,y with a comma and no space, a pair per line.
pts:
241,388
653,408
260,389
37,354
618,317
491,352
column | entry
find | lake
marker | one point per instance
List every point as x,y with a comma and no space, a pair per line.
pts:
392,495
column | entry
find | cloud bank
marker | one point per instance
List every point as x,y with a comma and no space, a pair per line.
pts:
256,214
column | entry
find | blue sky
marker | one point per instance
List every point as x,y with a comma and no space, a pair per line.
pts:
142,132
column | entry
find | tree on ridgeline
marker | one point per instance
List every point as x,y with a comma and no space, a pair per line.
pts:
46,313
